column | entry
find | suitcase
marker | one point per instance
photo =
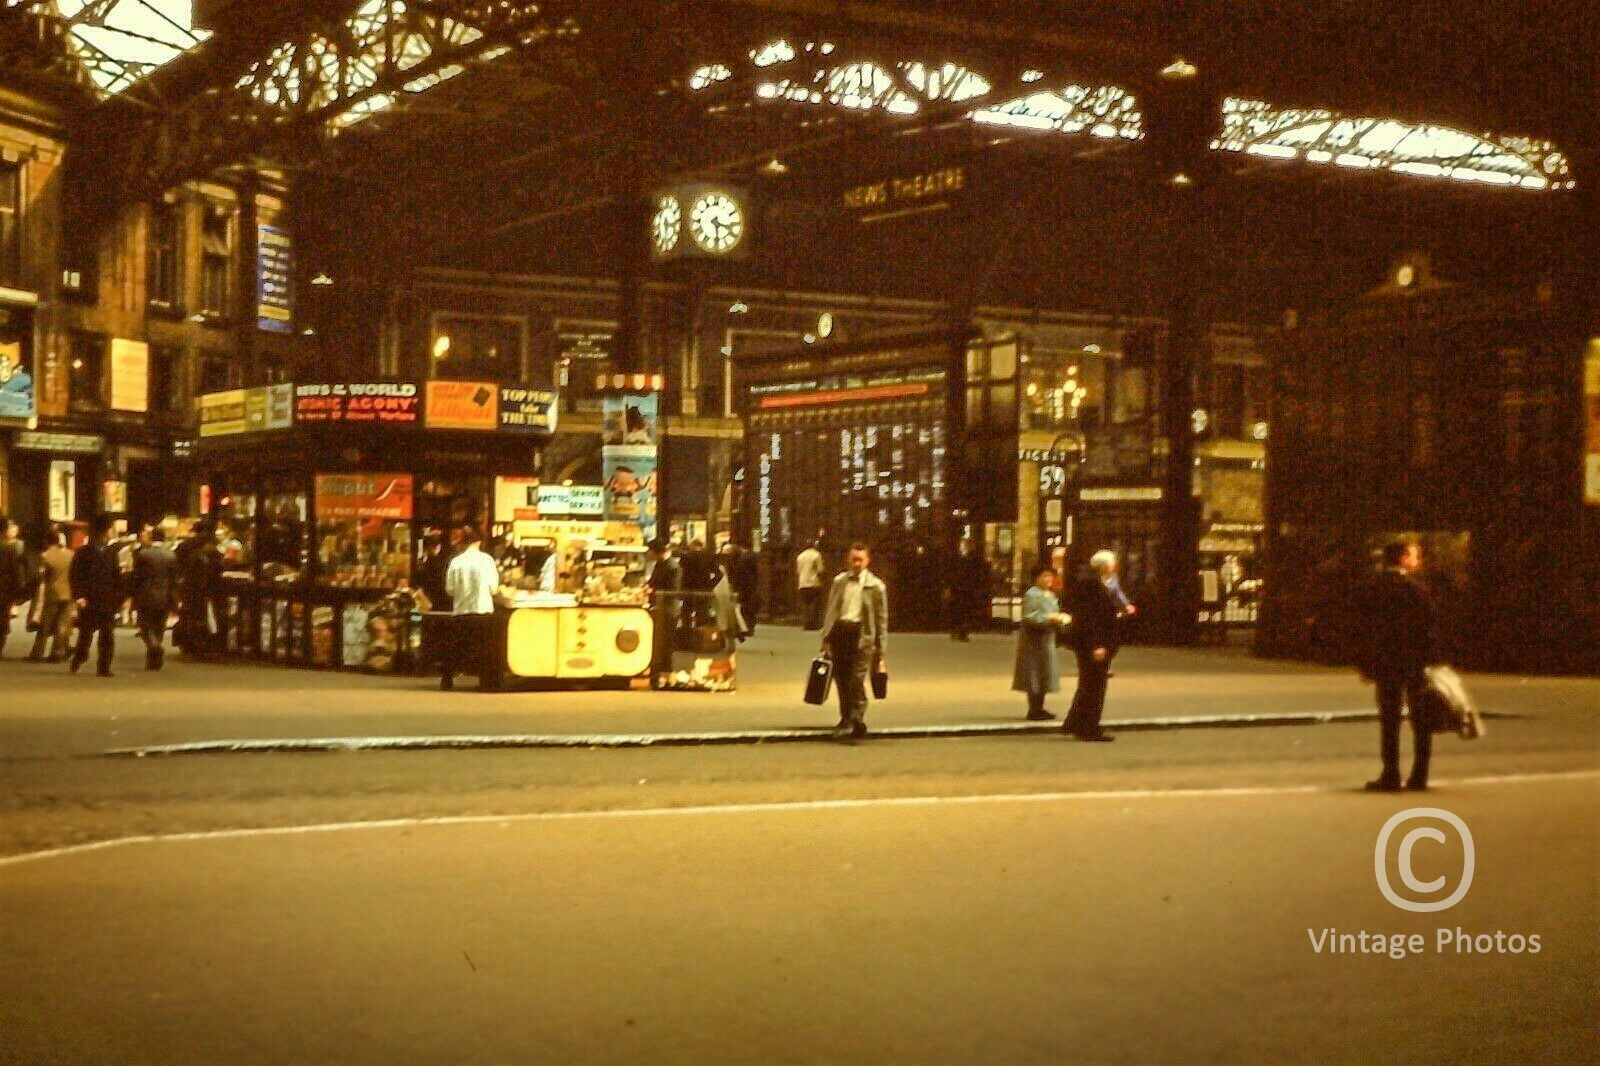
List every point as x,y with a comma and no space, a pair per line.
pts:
818,679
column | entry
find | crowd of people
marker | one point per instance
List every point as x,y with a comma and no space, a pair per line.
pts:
143,577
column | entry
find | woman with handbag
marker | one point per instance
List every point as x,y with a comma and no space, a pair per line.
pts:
1037,671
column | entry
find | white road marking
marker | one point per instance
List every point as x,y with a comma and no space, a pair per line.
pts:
760,808
644,740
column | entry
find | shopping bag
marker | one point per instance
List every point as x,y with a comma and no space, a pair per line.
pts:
1446,705
818,678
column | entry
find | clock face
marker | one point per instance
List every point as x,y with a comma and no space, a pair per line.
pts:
667,224
716,222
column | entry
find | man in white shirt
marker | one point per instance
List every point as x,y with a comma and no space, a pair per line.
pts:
470,581
853,633
808,579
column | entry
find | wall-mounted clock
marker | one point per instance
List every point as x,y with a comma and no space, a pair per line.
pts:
667,224
716,222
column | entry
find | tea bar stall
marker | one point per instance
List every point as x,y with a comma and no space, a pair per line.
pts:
320,492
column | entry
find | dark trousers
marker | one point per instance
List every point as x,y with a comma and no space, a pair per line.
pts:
850,663
811,608
55,626
5,625
1391,695
1035,703
153,632
466,649
1089,701
93,622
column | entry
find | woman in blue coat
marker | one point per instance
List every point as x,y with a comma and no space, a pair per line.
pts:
1037,671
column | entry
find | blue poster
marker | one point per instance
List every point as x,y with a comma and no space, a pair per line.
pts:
274,280
16,384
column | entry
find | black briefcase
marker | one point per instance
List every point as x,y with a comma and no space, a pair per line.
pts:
818,678
880,683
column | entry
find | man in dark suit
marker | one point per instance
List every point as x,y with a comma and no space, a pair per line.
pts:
1400,640
1095,611
97,590
155,590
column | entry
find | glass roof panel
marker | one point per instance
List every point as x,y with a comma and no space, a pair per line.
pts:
120,42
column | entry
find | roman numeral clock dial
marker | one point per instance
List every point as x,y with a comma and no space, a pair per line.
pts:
667,224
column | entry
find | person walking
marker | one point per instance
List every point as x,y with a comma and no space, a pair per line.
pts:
1400,640
1038,671
155,591
744,574
699,575
808,580
55,601
969,591
199,563
97,590
15,581
470,582
1095,611
854,628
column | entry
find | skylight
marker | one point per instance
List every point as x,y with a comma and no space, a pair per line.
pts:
1327,137
120,42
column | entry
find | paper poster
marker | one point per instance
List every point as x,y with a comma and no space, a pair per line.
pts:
462,405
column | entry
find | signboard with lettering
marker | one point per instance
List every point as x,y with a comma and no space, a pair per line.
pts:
222,414
269,407
516,498
383,496
60,443
1121,494
909,194
528,408
586,501
463,405
587,344
274,285
364,402
1591,404
130,375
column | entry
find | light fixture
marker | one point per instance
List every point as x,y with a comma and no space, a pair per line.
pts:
1072,371
825,324
1406,276
1092,349
1199,419
321,279
1180,179
1030,76
775,167
739,307
308,332
1259,431
77,364
197,317
727,349
441,346
810,338
1179,69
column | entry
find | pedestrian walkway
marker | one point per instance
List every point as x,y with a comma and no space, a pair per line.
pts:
939,688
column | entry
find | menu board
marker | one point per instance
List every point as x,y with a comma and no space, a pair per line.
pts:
394,403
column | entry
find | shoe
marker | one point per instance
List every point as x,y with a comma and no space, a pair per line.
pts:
75,666
859,730
1416,786
161,657
104,673
1097,738
447,684
843,731
1383,785
1041,716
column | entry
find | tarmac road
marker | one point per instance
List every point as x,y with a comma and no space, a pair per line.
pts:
1135,927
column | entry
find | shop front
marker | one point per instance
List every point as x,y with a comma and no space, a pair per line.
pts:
320,495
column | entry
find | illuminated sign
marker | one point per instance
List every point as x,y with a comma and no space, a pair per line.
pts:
222,414
386,402
836,396
462,405
274,273
363,496
1591,403
60,443
893,193
528,409
1133,494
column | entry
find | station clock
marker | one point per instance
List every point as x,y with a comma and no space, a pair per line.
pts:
700,221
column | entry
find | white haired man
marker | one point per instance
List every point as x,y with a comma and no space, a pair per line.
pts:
1095,610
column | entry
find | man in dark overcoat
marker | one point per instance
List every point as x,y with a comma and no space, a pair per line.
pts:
155,592
1095,611
1400,640
97,590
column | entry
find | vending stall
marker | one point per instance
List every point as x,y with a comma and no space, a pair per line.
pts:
319,493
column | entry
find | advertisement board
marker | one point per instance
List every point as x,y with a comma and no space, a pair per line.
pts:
130,375
462,405
363,496
274,284
516,497
16,374
269,407
630,488
395,403
222,414
1591,406
528,408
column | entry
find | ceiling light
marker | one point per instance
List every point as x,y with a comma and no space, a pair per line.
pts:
321,279
1092,349
1179,69
810,338
727,349
739,307
775,166
1032,75
1181,180
441,346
